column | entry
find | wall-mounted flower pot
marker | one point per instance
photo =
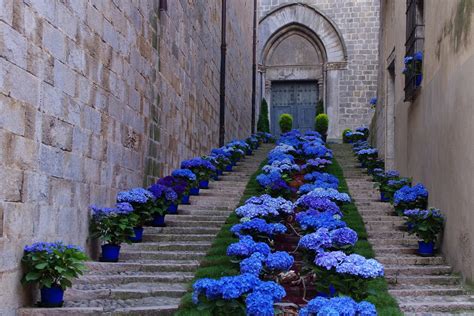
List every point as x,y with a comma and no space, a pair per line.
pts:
185,199
158,221
204,184
426,249
138,237
110,253
194,191
173,208
52,296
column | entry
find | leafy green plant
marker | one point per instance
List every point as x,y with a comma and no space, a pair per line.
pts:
425,224
285,122
263,124
319,107
322,124
345,136
53,264
113,225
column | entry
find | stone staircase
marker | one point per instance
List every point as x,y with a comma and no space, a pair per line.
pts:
152,276
421,285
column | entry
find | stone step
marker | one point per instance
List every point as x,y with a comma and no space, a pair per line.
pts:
127,291
162,255
178,237
374,212
167,246
193,206
182,230
437,303
425,290
134,277
371,218
384,225
410,260
395,250
202,212
175,222
418,270
143,266
390,235
185,218
413,242
423,280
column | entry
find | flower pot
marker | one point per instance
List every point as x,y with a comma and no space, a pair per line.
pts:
228,168
158,221
52,296
426,249
172,209
203,184
383,197
194,191
110,253
418,79
185,199
138,235
249,152
219,172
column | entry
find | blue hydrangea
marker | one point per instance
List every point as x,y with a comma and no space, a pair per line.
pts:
164,193
279,261
320,204
339,306
197,163
317,241
135,195
343,237
184,173
252,264
320,176
423,214
281,166
329,260
332,194
314,220
123,208
259,305
265,206
50,247
308,187
317,163
246,246
258,225
367,152
409,194
353,264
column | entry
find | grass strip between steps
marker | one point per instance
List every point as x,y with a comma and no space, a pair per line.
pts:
379,295
216,263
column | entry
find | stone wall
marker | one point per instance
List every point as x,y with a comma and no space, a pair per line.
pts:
98,96
358,23
433,134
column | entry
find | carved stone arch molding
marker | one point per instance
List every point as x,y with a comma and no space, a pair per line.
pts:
318,29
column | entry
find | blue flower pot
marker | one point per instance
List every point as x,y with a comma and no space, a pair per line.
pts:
110,253
185,199
194,191
426,249
203,184
249,152
418,79
158,221
173,208
52,296
384,198
219,172
228,168
138,235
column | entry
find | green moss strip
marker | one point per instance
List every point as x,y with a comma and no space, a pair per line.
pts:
379,296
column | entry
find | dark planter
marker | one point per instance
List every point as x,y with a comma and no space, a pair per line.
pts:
138,235
185,199
203,184
383,197
426,249
110,253
52,296
172,209
158,221
249,152
194,191
228,168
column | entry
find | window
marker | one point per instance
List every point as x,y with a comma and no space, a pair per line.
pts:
414,44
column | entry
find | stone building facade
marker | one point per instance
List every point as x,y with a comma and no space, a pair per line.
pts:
98,96
427,133
331,45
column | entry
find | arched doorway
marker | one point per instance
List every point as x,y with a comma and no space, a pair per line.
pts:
301,53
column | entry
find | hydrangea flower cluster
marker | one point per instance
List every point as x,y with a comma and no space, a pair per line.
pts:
319,204
178,185
279,156
367,152
409,194
50,247
280,261
246,246
200,166
282,166
185,174
314,220
316,149
423,214
331,194
257,226
320,176
123,208
265,206
324,239
163,193
315,164
308,187
338,306
354,264
135,195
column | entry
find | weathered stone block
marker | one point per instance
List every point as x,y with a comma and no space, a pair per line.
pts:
12,184
57,133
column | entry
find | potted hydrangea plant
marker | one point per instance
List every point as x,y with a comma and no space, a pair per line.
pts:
426,225
142,202
164,197
191,180
53,266
178,185
113,226
408,198
202,168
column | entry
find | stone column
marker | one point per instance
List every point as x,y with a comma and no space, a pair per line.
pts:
333,71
